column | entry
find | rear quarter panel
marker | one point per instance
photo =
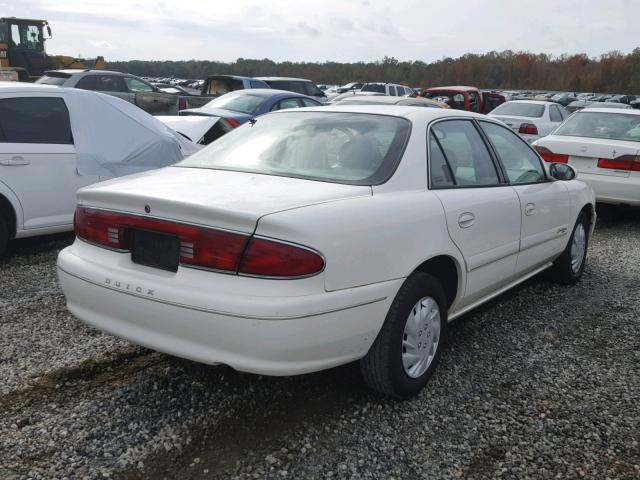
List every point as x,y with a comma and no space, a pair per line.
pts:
367,240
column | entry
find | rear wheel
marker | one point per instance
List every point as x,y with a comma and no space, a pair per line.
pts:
569,266
4,235
407,349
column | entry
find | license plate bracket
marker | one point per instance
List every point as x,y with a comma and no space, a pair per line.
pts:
157,250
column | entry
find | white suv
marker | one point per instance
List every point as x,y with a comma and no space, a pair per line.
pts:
392,89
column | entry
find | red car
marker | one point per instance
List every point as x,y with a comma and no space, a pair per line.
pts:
465,98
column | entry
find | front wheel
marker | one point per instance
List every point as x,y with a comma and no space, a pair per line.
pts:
407,349
569,266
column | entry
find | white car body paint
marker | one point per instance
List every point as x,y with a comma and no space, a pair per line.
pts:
544,124
371,237
611,186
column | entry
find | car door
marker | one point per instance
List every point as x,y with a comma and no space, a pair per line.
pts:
38,159
482,212
545,204
149,99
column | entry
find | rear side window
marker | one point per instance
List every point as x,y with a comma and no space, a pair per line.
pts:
307,102
439,171
101,83
554,114
373,87
466,153
220,86
392,90
35,120
286,103
52,80
257,84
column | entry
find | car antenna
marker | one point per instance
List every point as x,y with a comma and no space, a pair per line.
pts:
252,121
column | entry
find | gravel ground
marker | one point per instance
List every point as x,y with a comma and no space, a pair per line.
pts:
543,382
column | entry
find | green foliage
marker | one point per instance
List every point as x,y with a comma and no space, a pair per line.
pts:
612,72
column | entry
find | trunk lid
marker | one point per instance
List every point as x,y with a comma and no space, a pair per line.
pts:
215,198
514,122
584,152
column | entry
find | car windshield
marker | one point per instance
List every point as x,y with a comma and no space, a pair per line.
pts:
373,87
614,126
351,148
245,103
532,110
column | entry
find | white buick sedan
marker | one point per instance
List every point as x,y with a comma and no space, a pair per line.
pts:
305,240
603,145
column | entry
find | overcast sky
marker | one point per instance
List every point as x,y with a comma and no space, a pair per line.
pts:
339,30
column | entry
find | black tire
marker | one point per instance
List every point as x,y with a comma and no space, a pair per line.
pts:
562,270
382,367
4,236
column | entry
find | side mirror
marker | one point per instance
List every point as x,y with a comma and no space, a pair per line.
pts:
562,171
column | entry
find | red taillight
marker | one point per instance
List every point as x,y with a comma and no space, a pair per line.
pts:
276,259
200,246
231,122
182,103
528,129
203,247
629,163
548,156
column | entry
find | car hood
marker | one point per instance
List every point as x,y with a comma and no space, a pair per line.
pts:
216,198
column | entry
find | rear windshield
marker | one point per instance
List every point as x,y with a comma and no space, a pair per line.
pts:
373,87
351,148
531,110
614,126
220,86
453,99
49,80
237,103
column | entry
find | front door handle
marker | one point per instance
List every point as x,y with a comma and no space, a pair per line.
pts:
466,219
530,209
13,161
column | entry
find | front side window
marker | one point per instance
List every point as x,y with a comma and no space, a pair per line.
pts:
135,85
307,102
520,162
35,120
466,153
613,126
351,148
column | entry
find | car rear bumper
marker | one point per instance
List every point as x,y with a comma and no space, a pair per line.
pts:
614,190
200,317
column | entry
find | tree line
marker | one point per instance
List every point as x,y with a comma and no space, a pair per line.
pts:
614,72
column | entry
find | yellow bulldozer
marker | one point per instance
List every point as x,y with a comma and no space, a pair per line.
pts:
22,53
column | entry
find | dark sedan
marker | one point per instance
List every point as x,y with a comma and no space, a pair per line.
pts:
235,108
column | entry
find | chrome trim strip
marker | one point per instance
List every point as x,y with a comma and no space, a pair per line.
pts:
498,292
220,312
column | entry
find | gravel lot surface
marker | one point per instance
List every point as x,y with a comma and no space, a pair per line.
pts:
542,383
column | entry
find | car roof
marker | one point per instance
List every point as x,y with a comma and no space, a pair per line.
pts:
534,102
264,92
71,71
382,99
235,77
23,87
624,111
416,114
264,79
453,87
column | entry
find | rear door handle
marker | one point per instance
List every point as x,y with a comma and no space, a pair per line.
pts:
530,209
466,219
13,161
